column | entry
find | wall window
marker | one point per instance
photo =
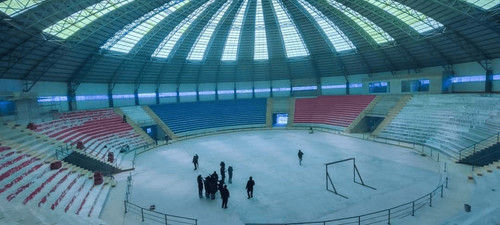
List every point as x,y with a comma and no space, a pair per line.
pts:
415,85
91,97
304,88
468,79
146,95
379,87
206,92
123,96
52,99
225,92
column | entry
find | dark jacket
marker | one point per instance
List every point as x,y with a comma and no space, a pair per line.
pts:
222,168
224,193
200,182
250,184
206,182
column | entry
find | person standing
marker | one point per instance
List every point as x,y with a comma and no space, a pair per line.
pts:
200,186
230,172
220,186
249,187
223,170
300,156
207,186
225,196
215,176
195,161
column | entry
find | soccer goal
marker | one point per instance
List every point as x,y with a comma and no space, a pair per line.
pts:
329,181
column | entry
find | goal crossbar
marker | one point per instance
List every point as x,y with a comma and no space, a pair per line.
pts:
355,172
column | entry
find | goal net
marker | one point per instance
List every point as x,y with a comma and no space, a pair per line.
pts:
329,167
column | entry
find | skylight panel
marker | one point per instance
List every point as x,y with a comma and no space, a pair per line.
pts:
416,20
16,7
294,45
233,40
70,25
260,52
198,50
484,4
371,28
168,44
125,39
337,38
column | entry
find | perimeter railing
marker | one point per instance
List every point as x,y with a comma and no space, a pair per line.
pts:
150,214
386,215
432,152
471,150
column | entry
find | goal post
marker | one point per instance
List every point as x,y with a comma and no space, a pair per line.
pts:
329,181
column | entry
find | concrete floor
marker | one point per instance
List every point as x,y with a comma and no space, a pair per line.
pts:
287,192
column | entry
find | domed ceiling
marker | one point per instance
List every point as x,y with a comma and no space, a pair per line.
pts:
207,41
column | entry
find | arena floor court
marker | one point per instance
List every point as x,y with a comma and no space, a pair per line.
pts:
284,190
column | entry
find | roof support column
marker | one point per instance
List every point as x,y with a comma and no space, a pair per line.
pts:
319,91
157,94
347,87
178,94
110,95
216,91
253,89
235,97
489,81
197,92
447,86
71,97
136,94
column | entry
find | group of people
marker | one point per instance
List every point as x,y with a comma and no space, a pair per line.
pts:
212,184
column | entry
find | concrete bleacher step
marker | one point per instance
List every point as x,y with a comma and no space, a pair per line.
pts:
40,185
51,188
51,195
393,112
18,214
69,193
94,201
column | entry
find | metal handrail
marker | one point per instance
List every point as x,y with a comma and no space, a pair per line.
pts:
165,217
473,146
387,212
156,215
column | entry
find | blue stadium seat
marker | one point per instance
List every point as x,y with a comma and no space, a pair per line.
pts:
197,116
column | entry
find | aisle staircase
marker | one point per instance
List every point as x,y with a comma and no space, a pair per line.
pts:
362,115
269,112
136,127
160,122
392,114
482,153
91,163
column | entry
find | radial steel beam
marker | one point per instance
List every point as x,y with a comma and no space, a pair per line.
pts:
472,50
332,13
394,21
38,70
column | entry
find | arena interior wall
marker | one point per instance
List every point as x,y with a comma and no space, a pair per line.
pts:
280,88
